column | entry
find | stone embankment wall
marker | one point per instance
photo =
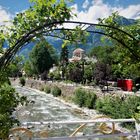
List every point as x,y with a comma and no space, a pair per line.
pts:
68,89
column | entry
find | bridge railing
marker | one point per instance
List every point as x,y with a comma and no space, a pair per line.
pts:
108,132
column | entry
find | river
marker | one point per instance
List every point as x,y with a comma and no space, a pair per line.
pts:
44,107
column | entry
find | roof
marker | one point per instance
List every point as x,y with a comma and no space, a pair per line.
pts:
78,50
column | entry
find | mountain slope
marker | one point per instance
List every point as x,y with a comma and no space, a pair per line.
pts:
92,40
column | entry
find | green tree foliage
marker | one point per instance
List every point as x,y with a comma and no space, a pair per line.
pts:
102,72
47,89
4,78
122,56
126,52
64,54
40,13
129,42
22,81
9,100
88,72
117,107
64,58
79,97
74,72
15,67
123,65
102,53
56,91
84,98
42,57
56,75
27,68
90,100
105,60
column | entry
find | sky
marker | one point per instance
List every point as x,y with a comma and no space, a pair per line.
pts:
86,10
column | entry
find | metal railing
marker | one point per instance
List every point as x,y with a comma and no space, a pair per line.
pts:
108,132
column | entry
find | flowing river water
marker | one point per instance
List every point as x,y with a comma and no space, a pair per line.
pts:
44,107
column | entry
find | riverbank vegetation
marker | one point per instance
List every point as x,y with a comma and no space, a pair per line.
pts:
114,106
9,101
22,81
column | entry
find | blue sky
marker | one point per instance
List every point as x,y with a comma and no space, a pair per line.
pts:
86,10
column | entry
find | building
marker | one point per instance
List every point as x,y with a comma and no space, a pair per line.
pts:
78,54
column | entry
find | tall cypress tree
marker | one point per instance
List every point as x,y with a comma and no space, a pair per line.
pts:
64,55
64,59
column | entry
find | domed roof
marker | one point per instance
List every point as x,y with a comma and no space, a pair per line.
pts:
78,50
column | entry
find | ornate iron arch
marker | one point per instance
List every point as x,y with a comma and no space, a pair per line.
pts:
25,39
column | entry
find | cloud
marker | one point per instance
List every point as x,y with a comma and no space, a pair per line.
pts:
99,9
133,11
85,4
5,16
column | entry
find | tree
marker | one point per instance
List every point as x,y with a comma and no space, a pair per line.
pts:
123,57
27,68
102,53
88,72
105,61
128,41
42,17
42,57
15,67
9,101
102,72
74,72
64,58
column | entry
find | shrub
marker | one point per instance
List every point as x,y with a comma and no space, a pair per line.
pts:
117,107
47,89
22,81
51,75
88,73
57,75
90,100
4,78
111,106
99,104
56,91
84,98
79,97
74,72
9,100
41,88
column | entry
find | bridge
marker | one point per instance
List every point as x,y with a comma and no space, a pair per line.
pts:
106,130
